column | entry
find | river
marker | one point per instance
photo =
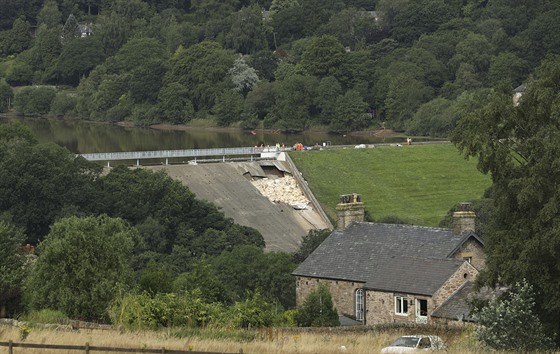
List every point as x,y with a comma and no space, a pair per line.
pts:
82,137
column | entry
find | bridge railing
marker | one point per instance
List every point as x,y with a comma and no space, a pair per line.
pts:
162,154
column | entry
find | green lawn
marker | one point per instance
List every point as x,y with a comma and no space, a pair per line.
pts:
417,183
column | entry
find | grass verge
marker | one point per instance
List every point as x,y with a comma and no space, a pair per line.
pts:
417,184
269,340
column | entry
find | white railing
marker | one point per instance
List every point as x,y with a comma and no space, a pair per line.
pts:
167,154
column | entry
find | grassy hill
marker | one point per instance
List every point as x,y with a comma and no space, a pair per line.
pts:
416,183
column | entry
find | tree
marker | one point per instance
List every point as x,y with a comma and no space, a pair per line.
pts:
261,99
243,76
247,268
350,113
509,67
31,100
519,146
328,91
47,49
63,104
229,108
155,279
287,25
275,278
247,33
202,69
404,95
353,28
418,17
294,102
15,133
543,36
510,323
21,73
474,50
323,56
19,37
264,62
432,119
114,31
6,96
78,58
203,279
318,12
309,243
83,264
174,103
42,182
317,309
49,15
278,5
12,265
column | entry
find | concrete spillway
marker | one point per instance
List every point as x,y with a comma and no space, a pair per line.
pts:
228,186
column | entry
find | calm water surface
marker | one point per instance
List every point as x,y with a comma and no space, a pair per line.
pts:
85,137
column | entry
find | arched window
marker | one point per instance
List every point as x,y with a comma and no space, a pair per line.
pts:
359,304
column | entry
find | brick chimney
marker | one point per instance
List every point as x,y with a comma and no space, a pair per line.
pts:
348,210
464,219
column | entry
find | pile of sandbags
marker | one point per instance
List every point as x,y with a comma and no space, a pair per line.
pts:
281,190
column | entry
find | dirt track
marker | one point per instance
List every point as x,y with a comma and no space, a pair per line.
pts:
228,185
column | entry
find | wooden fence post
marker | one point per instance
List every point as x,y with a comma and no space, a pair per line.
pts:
10,350
87,348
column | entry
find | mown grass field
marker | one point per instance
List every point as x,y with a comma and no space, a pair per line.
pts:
417,183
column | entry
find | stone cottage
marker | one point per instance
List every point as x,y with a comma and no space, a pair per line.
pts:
385,273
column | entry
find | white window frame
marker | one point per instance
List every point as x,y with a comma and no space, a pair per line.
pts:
419,317
359,304
401,305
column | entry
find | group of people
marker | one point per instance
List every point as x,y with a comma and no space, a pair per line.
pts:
266,148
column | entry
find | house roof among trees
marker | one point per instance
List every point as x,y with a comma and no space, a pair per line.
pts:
457,307
389,257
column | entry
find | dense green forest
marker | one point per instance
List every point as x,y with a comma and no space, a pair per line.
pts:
336,65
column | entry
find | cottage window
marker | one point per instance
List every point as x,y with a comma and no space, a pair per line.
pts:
468,259
359,304
401,305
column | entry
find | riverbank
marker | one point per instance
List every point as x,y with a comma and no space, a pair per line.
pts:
379,133
208,125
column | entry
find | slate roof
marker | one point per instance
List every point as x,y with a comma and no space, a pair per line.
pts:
456,307
390,257
421,276
521,88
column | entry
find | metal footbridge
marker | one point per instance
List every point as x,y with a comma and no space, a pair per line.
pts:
194,155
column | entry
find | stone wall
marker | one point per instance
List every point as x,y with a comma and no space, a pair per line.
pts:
380,307
466,272
342,292
473,250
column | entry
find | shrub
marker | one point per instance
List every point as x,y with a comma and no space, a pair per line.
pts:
251,313
34,100
47,316
142,311
318,310
510,323
63,104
